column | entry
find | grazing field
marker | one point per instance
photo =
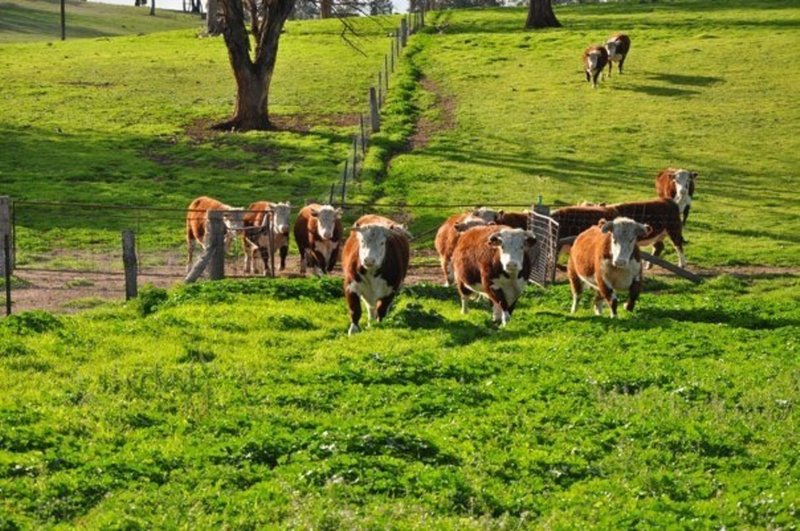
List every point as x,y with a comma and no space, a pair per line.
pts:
244,403
508,116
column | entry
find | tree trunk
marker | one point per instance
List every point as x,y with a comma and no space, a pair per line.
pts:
540,15
325,8
152,8
213,25
253,76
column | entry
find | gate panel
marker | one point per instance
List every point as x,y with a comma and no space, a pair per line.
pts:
545,252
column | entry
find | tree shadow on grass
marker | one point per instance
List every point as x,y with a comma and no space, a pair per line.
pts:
656,317
679,79
656,90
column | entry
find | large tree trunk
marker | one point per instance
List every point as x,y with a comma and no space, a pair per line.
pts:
213,23
325,8
540,15
253,76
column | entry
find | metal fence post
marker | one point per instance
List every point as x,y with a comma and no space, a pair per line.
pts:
130,262
216,244
7,270
7,255
270,223
344,181
373,110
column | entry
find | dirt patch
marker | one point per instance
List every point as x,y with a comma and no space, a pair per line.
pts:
201,130
427,127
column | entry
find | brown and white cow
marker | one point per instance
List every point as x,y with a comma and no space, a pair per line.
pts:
318,233
606,257
617,46
256,236
515,220
448,234
677,184
375,261
661,214
493,261
595,59
197,217
664,218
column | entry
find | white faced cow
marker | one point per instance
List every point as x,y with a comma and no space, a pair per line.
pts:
677,184
375,262
493,261
448,234
606,257
256,237
197,217
318,233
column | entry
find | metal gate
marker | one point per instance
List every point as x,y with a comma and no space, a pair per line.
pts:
545,252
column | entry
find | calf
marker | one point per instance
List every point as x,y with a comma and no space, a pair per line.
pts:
677,184
375,261
494,262
617,47
256,236
606,257
318,233
664,218
197,217
595,59
448,234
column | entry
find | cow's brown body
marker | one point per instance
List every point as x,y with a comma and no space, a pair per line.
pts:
315,251
377,287
590,262
446,239
622,45
256,236
516,220
593,70
196,217
661,214
477,269
665,187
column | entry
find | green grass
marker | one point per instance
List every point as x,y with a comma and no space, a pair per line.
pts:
40,20
528,124
224,406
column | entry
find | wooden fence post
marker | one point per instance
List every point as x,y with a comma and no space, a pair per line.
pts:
391,58
386,71
6,229
380,90
344,181
373,110
130,262
363,135
216,236
7,270
403,32
397,42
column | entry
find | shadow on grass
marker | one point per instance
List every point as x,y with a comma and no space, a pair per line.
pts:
654,317
679,79
655,90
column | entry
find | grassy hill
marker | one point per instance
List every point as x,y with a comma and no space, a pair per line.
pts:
40,20
244,404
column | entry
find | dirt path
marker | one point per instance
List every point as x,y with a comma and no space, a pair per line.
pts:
68,291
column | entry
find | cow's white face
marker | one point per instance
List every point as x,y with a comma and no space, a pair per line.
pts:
372,245
233,218
683,180
469,222
513,245
488,215
326,221
280,216
624,233
592,60
611,47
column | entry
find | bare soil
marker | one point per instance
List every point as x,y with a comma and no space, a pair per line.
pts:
425,127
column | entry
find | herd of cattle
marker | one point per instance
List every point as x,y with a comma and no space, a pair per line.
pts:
485,252
595,58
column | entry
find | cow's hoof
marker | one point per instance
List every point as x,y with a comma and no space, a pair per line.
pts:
354,329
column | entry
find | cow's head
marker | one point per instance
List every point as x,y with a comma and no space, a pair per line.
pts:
684,186
513,245
372,244
326,220
593,59
469,222
624,234
611,48
280,217
488,215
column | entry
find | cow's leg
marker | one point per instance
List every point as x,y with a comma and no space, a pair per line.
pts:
621,62
317,262
588,76
463,292
189,252
373,312
332,260
383,306
445,270
265,258
633,294
499,304
284,252
686,213
610,66
354,308
303,259
676,237
607,293
576,286
658,248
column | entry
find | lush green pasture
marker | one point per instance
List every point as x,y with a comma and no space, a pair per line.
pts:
244,404
706,86
125,120
40,20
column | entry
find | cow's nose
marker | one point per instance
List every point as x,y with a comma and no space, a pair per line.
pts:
620,262
369,262
512,266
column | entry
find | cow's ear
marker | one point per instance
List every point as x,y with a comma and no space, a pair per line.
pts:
460,227
645,230
499,214
693,175
495,240
315,213
605,226
289,204
339,212
530,238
